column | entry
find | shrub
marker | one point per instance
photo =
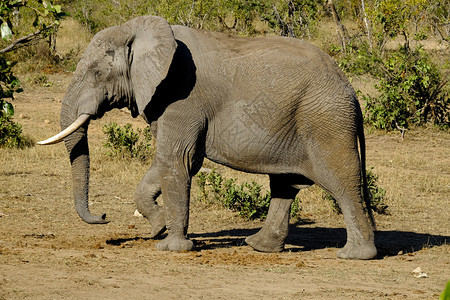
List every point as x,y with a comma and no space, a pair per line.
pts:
247,198
377,195
411,88
125,142
11,133
411,92
361,61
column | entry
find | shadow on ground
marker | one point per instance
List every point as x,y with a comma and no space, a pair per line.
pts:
389,243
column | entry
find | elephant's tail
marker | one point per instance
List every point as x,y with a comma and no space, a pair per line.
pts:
366,194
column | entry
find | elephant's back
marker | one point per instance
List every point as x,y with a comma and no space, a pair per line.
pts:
266,55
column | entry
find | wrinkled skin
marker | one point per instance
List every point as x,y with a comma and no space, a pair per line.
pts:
275,106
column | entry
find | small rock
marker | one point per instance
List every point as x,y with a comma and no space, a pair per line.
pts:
300,264
138,214
418,273
47,121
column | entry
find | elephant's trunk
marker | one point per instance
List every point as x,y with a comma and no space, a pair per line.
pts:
78,149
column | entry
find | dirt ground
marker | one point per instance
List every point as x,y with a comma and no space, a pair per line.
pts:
47,252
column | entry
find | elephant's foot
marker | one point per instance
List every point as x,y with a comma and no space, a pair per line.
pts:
261,241
358,251
175,243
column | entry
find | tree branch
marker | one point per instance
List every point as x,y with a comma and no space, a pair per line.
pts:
26,39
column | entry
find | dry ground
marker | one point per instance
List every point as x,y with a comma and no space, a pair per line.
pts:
47,252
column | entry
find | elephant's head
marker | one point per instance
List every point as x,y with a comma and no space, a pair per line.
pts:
122,67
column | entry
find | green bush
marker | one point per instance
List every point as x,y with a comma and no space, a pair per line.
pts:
11,133
360,61
125,142
412,91
377,195
291,18
247,198
210,14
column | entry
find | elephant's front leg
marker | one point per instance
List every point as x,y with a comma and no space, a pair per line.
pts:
181,149
145,197
175,184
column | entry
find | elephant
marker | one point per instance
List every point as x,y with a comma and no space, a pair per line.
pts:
268,105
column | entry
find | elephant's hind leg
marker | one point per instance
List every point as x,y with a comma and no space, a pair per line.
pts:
360,237
273,234
343,182
146,194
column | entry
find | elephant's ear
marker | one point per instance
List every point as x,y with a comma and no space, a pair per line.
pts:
151,50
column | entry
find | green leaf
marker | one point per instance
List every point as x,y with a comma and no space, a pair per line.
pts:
6,32
446,293
47,4
57,8
8,108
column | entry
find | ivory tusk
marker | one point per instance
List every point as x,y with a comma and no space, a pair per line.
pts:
66,132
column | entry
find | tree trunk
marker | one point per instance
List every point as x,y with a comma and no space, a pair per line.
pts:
367,24
341,31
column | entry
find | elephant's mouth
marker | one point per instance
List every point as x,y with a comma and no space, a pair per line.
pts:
82,119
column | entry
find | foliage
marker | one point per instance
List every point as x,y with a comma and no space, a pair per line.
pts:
446,293
10,132
97,15
379,20
383,20
27,22
246,198
392,17
9,84
411,92
43,19
361,61
125,142
377,195
289,18
292,18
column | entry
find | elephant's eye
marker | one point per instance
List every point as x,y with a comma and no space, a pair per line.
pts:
97,74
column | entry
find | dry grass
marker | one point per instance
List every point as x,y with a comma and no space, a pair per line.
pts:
72,37
416,175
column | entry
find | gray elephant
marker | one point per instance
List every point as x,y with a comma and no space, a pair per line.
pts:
276,106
